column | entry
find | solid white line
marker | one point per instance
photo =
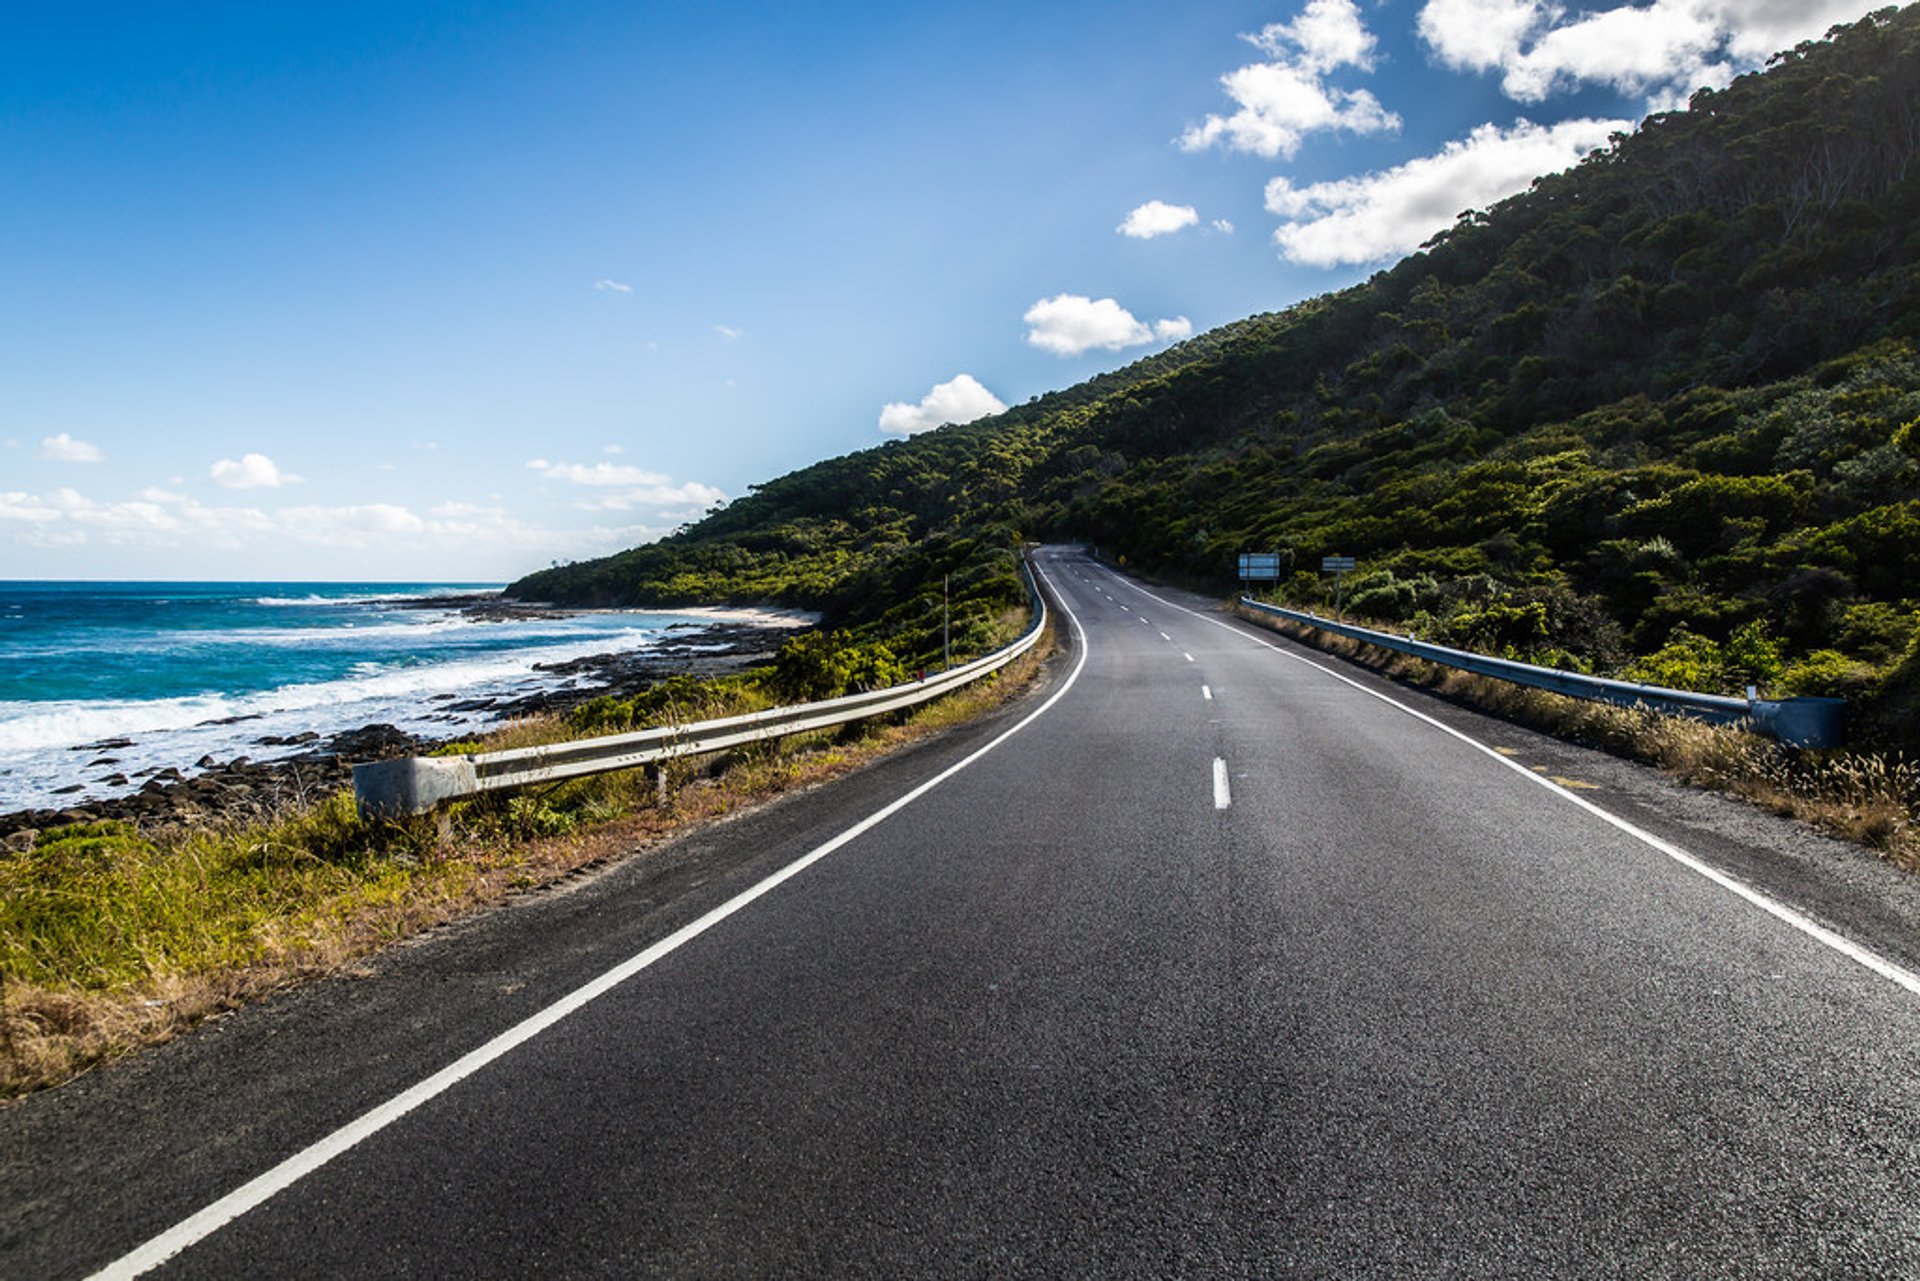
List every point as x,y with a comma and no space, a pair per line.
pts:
296,1167
1773,907
1206,692
1222,793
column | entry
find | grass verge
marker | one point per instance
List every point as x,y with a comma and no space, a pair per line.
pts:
1868,798
112,937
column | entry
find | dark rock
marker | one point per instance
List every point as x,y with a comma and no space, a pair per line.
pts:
114,780
105,745
69,789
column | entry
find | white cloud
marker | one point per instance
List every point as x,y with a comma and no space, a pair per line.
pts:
1222,226
729,333
613,450
958,400
1478,35
1328,34
65,449
450,534
1070,324
355,525
1157,218
252,471
597,473
1383,215
612,287
26,508
637,487
1283,100
1662,50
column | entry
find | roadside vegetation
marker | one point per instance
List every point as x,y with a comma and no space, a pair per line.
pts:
112,936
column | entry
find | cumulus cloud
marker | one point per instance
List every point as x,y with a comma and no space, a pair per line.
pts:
251,471
1070,324
959,400
636,486
65,449
1662,50
612,287
1282,100
1382,215
1157,218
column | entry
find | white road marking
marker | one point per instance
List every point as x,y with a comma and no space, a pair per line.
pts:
1206,692
1165,637
1806,925
1222,793
257,1191
1187,656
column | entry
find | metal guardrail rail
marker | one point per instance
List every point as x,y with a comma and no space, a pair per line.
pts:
414,785
1797,722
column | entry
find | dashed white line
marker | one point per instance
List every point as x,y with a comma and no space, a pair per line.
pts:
1165,637
1222,793
1865,957
1206,692
1187,656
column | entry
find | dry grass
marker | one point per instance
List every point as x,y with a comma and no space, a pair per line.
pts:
1871,799
113,939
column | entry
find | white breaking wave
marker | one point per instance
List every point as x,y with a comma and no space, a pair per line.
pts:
47,745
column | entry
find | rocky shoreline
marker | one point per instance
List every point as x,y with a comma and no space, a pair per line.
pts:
244,788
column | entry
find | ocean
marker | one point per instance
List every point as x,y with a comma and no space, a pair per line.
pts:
105,679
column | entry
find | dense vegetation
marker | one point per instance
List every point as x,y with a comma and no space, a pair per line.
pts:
1658,414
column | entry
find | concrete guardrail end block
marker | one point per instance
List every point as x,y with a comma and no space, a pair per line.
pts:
393,789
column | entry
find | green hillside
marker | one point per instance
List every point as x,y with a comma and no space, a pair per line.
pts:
1660,414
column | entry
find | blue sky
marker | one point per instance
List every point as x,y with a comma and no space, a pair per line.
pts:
451,291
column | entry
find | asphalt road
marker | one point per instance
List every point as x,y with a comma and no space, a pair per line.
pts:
1215,963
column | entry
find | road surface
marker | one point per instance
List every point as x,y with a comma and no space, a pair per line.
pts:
1212,958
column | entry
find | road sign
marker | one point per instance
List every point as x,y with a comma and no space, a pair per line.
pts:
1259,565
1335,564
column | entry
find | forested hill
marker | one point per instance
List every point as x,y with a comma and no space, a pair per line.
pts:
1660,414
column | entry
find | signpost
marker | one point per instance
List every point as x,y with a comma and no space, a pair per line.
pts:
1258,567
1339,567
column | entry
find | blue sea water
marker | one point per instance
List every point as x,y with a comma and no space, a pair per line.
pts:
190,670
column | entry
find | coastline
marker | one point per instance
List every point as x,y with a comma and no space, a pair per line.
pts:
208,789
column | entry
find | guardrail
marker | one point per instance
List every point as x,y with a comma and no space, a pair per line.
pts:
414,785
1797,722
